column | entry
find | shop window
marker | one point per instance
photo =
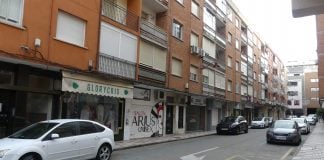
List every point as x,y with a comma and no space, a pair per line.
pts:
104,110
40,82
180,121
6,77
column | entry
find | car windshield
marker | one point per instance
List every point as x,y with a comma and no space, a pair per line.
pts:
229,119
257,119
34,131
284,124
299,120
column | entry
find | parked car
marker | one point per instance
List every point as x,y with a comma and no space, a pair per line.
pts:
314,116
234,125
59,139
285,131
311,121
260,122
302,122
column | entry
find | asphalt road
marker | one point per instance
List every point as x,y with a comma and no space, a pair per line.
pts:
250,146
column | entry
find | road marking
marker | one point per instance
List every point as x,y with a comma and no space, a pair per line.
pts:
236,156
286,154
193,157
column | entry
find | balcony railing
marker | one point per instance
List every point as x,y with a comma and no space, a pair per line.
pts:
153,33
221,40
116,66
120,14
151,76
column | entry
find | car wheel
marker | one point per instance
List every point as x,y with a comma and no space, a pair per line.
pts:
104,152
30,157
247,130
298,143
269,141
237,130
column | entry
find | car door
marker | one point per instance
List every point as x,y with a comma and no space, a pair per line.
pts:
65,146
242,122
88,139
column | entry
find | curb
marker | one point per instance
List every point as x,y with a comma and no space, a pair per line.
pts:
169,140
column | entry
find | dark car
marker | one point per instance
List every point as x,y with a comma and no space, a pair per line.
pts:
284,131
233,125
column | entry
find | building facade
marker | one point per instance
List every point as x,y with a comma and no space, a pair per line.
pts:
143,68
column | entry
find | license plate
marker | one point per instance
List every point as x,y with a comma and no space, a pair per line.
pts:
281,137
224,129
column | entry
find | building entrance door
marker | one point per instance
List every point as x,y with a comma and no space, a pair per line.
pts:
169,120
6,105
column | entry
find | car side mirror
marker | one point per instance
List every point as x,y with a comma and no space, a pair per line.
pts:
55,136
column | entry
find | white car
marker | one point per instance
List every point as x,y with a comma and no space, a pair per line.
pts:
302,123
260,122
59,139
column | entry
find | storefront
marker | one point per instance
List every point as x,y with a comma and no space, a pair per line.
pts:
88,97
196,114
27,95
145,115
214,113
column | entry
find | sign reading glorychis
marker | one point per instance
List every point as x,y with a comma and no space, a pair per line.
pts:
80,86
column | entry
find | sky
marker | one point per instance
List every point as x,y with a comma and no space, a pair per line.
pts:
290,38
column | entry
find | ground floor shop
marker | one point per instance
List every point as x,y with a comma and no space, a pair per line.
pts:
27,95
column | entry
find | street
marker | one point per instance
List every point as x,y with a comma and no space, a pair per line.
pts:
251,146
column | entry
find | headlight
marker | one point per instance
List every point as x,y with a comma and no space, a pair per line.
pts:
270,133
292,134
3,152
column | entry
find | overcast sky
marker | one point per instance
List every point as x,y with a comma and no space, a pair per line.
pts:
291,38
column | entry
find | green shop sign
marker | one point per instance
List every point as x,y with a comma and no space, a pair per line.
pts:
80,86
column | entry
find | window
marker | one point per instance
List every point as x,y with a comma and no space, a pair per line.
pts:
152,56
176,67
314,98
142,94
229,61
193,73
237,44
194,8
205,79
194,39
209,47
11,11
180,1
66,130
314,80
220,81
314,89
209,19
70,29
296,102
289,102
296,75
254,75
243,90
177,30
209,77
229,85
237,23
292,83
237,66
237,88
87,128
180,121
292,93
229,37
229,14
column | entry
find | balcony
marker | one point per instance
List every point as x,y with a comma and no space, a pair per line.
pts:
120,15
151,76
157,5
220,40
209,32
208,59
154,34
117,67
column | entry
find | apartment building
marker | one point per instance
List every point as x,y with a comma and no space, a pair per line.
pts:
303,88
320,51
143,68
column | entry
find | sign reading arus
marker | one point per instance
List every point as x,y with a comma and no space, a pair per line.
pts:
80,86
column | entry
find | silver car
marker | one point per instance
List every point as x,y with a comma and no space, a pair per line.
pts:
284,131
302,122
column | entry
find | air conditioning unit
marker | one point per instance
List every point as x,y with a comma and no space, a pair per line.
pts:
159,95
195,50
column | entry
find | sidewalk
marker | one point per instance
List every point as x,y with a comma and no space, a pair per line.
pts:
313,148
155,140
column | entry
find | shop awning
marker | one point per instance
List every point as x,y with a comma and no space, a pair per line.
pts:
79,83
